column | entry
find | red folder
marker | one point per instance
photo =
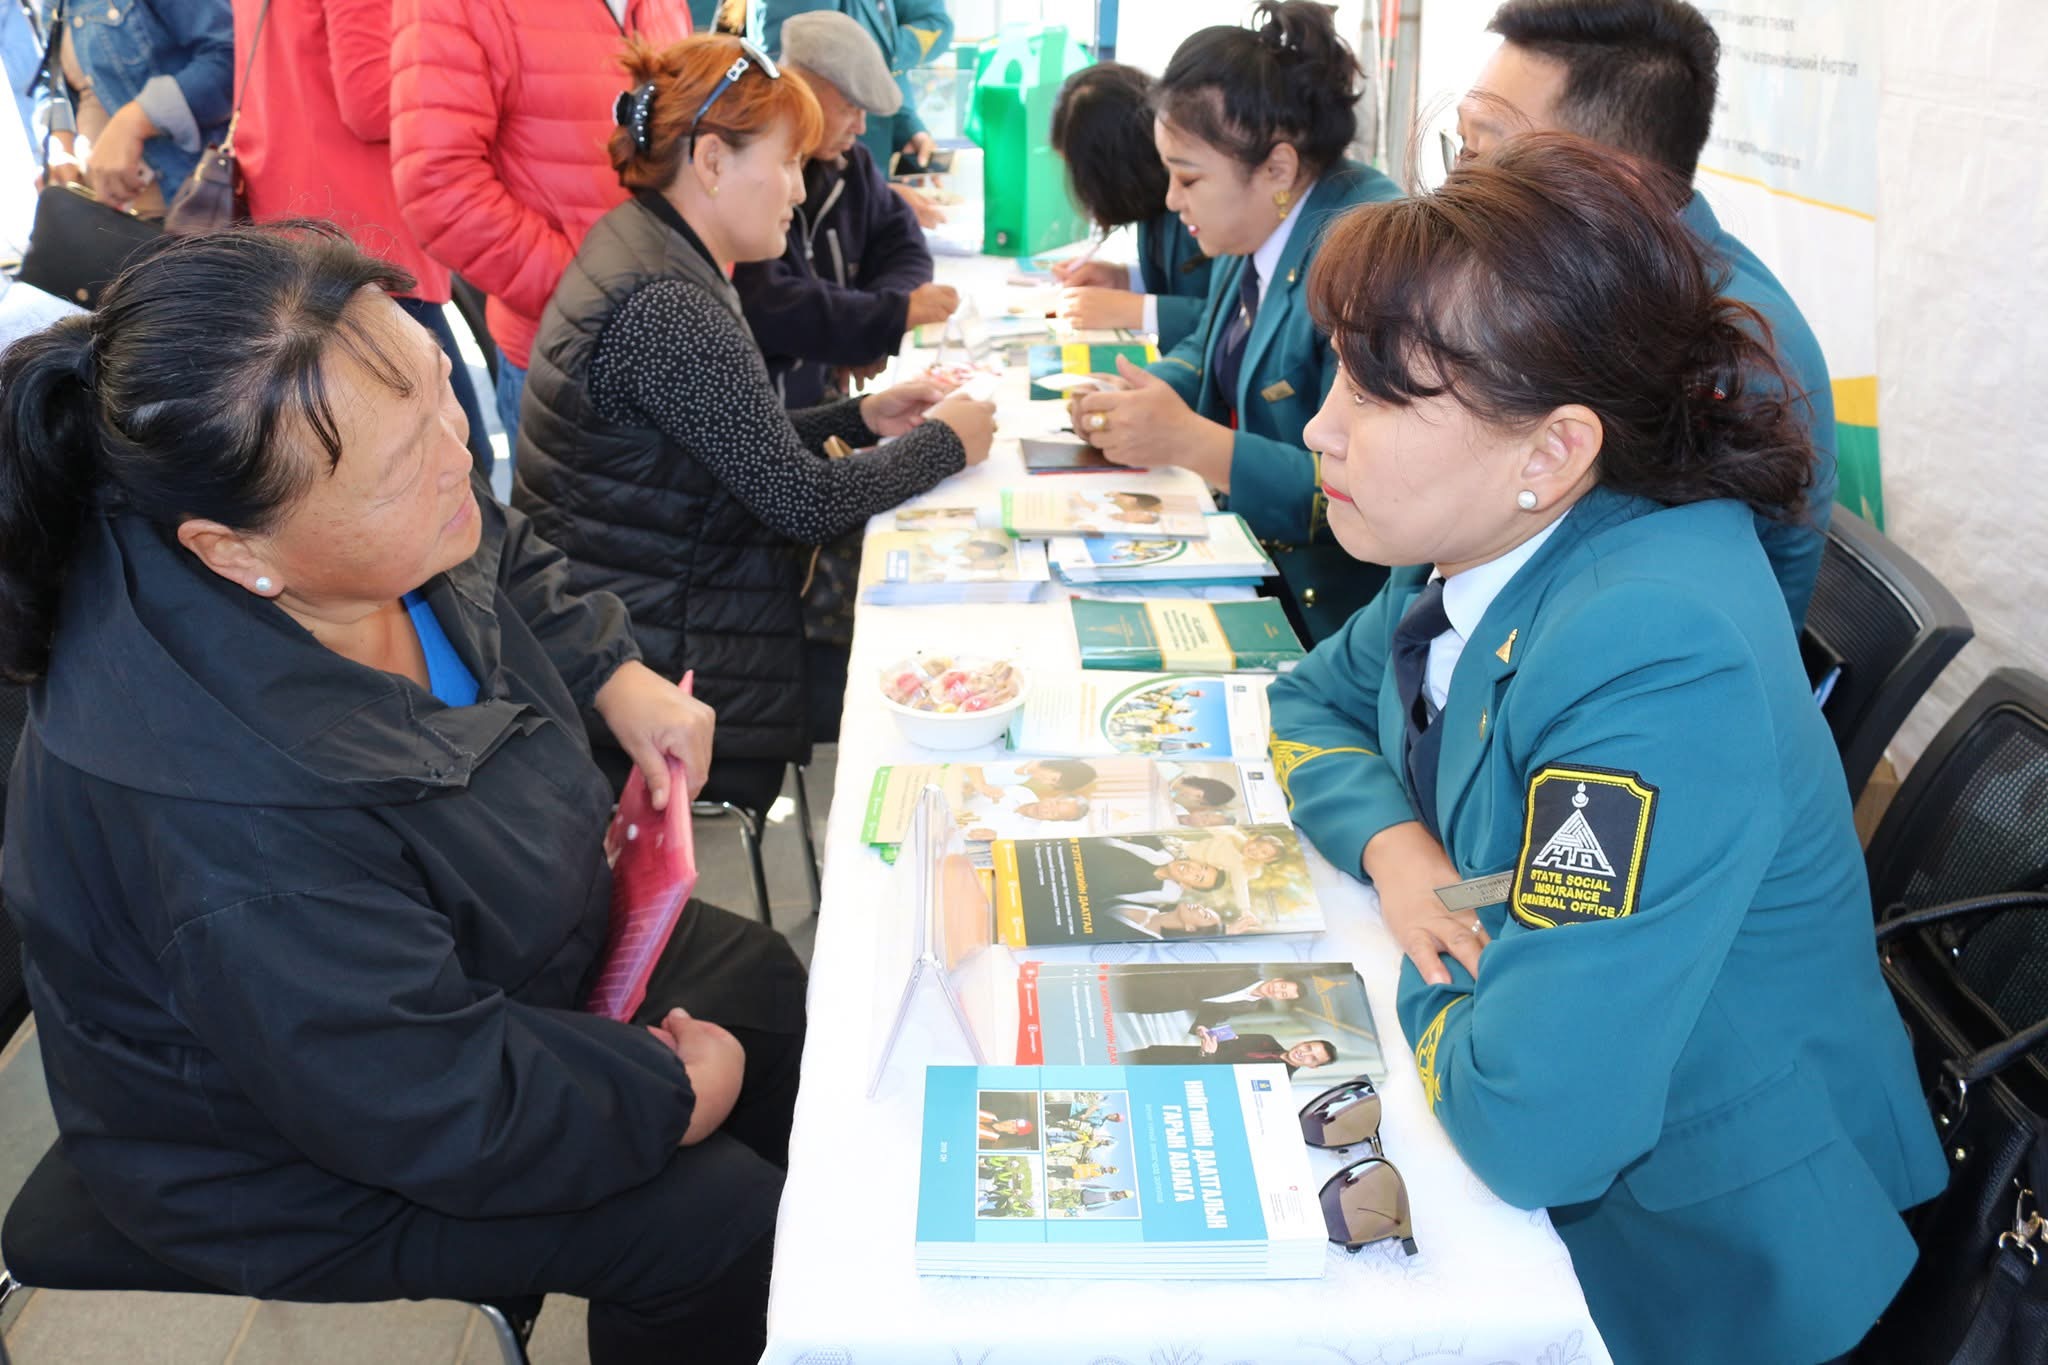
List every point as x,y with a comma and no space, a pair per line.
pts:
654,869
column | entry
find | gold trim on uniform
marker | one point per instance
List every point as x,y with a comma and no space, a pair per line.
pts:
1290,754
1425,1053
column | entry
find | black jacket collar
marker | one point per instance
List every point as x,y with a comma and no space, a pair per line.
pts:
167,678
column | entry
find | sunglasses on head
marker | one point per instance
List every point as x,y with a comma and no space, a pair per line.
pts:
750,57
1367,1201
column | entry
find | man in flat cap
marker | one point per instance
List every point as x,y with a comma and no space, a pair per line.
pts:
856,275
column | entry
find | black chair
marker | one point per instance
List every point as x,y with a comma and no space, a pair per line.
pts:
1971,818
55,1236
1879,631
1968,827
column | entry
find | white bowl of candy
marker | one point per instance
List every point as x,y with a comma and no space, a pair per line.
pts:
952,701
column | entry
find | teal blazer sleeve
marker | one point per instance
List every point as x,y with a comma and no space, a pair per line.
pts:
1341,787
923,31
1178,316
1626,992
1275,482
1180,365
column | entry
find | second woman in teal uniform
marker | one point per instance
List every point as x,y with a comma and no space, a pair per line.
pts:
1665,1021
1252,126
1102,129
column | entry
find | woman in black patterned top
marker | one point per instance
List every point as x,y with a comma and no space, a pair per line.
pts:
652,447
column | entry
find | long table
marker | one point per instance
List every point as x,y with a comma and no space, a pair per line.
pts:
1491,1283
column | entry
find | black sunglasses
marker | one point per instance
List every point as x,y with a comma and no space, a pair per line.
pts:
1367,1201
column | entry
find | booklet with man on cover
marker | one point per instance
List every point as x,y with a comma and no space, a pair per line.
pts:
1311,1017
1142,888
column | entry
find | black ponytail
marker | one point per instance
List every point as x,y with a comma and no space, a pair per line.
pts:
169,402
49,468
1288,78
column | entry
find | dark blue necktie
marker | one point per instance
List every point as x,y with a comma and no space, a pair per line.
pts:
1236,332
1422,738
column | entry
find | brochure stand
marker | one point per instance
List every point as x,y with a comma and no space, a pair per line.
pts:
947,927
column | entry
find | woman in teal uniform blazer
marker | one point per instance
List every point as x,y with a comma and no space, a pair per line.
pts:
1102,129
1665,1022
1252,126
909,32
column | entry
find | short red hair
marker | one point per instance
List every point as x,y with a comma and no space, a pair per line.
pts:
682,75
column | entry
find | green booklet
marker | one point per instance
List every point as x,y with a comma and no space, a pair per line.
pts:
1186,634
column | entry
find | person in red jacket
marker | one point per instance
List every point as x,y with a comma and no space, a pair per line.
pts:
315,142
500,111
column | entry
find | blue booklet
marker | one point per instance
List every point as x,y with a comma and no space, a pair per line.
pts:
1090,1171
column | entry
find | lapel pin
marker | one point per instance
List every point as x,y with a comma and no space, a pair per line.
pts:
1507,647
1482,725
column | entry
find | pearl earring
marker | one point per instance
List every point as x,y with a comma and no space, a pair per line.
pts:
1526,500
263,585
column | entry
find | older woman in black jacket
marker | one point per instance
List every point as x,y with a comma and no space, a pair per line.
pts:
305,840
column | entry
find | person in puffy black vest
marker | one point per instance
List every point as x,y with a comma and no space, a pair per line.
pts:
305,842
652,446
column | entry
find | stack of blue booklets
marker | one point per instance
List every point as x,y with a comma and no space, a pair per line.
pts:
1074,1172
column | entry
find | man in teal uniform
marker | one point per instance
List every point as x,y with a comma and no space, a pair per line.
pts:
1640,76
909,32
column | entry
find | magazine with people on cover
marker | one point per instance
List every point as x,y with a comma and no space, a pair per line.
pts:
1163,886
1311,1017
1026,797
1091,1171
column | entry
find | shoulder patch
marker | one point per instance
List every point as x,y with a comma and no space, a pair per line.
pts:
1583,842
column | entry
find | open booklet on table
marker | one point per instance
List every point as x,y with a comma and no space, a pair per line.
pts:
1026,797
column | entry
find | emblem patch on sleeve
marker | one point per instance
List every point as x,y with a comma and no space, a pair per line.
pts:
1582,846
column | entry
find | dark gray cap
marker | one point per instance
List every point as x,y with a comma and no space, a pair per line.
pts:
834,47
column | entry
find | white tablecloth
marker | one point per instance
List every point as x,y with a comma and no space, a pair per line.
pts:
1492,1284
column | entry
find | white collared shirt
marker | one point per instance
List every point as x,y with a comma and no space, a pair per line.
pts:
1267,258
1467,595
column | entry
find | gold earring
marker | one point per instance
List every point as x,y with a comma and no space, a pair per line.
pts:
1281,201
714,191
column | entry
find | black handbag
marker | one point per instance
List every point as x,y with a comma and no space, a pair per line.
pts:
214,196
78,244
1960,971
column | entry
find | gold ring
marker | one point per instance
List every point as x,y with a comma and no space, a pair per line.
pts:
1098,421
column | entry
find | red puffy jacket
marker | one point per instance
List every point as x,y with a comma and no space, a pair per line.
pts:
500,111
314,140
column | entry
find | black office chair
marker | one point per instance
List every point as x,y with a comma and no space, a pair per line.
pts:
1971,818
55,1236
1879,631
1969,825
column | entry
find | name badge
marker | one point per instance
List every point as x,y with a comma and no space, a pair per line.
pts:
1273,393
1477,892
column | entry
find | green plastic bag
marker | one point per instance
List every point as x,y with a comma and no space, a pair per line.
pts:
1024,183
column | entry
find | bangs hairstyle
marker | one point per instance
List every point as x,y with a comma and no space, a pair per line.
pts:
683,74
1554,272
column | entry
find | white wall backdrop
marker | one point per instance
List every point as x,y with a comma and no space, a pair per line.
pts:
1962,321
